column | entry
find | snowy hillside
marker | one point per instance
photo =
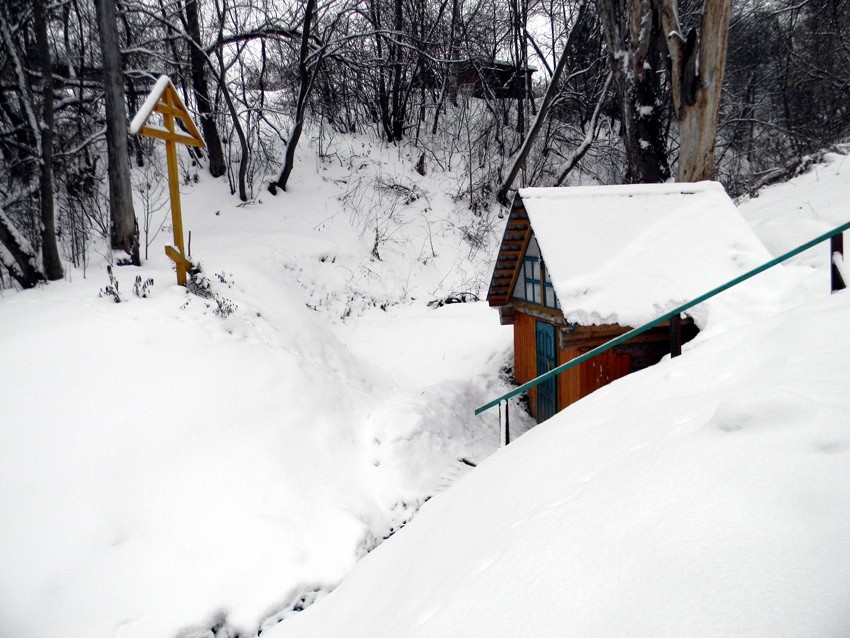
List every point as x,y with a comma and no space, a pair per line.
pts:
174,462
165,466
705,496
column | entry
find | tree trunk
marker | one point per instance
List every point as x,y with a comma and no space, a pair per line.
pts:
306,76
449,79
634,54
697,81
237,126
125,229
16,254
49,249
582,149
551,91
133,96
399,106
197,63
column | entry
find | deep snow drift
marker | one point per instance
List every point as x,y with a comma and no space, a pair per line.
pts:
704,496
162,465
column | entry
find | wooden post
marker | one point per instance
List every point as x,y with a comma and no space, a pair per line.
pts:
174,189
675,335
507,424
165,101
836,247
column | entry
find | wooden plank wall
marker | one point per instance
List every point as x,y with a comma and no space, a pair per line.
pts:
569,382
525,354
573,384
591,375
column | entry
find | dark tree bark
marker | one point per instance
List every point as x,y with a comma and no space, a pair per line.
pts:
697,65
392,94
198,64
399,107
519,25
449,81
125,229
633,36
306,76
49,249
221,72
16,255
237,126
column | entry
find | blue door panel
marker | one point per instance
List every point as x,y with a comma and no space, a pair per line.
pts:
547,392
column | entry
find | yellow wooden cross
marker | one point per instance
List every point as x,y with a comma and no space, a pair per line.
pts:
164,100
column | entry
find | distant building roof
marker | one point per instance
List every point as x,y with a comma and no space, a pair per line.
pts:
626,254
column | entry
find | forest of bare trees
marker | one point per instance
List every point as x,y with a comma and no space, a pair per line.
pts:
505,93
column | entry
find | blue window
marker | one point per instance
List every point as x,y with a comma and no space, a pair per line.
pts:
533,284
531,270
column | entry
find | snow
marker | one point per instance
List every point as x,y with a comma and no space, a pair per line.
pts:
627,254
162,466
150,102
703,496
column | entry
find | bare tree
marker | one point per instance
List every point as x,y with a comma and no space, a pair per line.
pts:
696,78
306,78
632,34
198,64
17,255
125,229
49,249
543,111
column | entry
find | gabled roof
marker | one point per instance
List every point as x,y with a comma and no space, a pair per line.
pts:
625,254
513,245
165,100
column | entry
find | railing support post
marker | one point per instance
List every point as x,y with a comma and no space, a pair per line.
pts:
507,424
836,247
675,335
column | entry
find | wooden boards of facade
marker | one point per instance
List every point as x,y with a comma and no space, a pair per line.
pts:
514,240
525,355
641,352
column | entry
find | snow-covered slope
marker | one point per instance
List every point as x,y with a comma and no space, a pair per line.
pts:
162,466
705,496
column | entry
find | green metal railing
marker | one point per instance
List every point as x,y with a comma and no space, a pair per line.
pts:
837,246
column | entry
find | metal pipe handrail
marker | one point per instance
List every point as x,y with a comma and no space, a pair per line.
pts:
665,317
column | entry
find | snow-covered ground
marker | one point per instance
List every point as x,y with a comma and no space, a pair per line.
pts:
705,496
164,467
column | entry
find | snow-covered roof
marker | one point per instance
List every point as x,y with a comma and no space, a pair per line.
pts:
626,254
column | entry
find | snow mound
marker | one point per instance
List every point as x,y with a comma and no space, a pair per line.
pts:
186,461
704,496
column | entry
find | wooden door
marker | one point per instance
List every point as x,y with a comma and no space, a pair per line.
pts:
547,391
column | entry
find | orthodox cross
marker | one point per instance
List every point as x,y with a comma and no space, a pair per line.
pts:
164,100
